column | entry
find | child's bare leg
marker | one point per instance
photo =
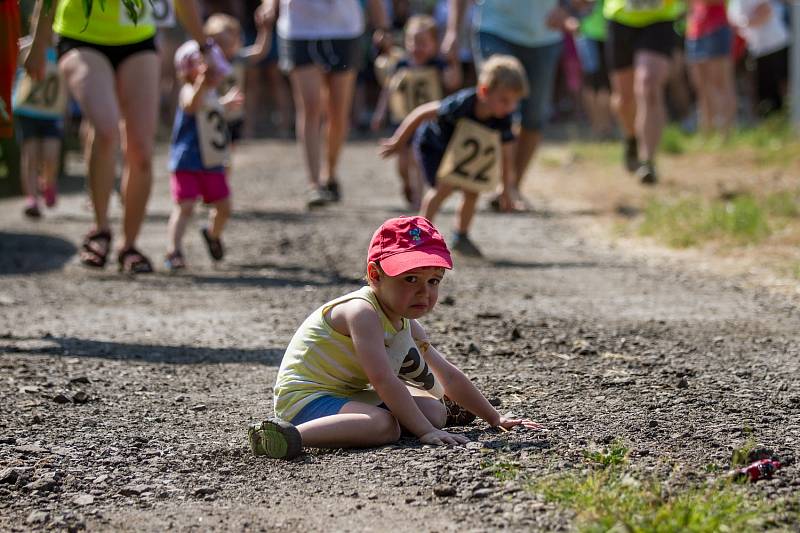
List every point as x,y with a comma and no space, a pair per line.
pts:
218,216
50,152
466,211
178,220
31,155
403,157
433,200
357,425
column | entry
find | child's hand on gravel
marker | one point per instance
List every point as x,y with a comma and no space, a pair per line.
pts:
508,423
442,438
388,147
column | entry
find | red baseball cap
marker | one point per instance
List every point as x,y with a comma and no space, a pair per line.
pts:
405,243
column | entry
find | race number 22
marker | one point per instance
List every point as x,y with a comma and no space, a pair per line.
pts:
472,159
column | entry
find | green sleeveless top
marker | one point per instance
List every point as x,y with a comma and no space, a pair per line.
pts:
111,26
640,13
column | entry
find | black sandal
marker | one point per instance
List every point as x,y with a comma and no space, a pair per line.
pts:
95,248
215,249
132,261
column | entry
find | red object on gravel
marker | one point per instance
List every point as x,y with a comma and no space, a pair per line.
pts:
757,470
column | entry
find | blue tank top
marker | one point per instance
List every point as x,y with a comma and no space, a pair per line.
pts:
184,153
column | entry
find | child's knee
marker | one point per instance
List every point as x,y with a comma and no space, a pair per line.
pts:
434,411
223,207
387,428
186,208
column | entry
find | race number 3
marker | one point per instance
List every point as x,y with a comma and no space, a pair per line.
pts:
472,159
46,97
410,88
213,133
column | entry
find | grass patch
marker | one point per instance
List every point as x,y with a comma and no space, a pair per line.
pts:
502,470
691,221
610,500
614,455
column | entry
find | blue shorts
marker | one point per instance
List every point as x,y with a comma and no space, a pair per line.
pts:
428,161
38,128
540,64
327,405
716,44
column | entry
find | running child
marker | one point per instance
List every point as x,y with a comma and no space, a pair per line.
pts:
226,31
199,152
416,79
39,108
464,142
361,367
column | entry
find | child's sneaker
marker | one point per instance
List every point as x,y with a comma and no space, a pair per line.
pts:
463,245
50,195
456,415
174,261
215,249
32,208
276,438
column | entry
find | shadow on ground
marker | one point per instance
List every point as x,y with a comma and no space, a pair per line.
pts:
26,253
149,353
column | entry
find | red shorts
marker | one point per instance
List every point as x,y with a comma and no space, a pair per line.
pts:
9,34
189,184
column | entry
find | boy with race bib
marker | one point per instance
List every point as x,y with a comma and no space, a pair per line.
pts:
415,79
199,151
464,142
361,367
38,116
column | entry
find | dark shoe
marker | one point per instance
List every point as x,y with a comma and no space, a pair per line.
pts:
463,245
456,415
132,261
646,173
317,198
95,248
332,188
32,209
275,438
215,249
631,154
174,261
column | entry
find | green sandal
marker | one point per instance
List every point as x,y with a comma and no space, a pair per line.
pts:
275,438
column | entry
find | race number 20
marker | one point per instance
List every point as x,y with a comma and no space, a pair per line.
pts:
46,97
472,159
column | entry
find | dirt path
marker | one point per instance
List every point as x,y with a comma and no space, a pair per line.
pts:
596,346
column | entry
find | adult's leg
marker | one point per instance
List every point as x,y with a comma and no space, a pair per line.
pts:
306,87
699,73
651,71
722,100
137,85
623,100
281,99
90,79
340,99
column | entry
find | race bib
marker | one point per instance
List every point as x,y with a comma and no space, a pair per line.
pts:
385,64
644,5
163,13
472,159
406,360
47,97
410,88
213,134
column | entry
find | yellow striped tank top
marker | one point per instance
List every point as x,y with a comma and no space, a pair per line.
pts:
111,26
320,361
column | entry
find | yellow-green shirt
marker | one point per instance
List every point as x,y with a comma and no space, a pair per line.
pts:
111,26
320,361
640,13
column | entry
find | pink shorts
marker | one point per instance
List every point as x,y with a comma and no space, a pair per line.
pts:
189,184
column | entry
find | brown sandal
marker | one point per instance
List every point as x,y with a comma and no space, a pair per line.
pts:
95,248
132,261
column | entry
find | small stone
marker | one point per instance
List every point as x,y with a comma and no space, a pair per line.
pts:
444,491
179,398
9,475
199,407
653,423
204,491
8,440
29,389
80,397
133,490
44,484
683,383
99,479
495,402
515,334
80,379
409,500
60,398
473,348
36,419
482,493
448,300
83,499
37,517
474,445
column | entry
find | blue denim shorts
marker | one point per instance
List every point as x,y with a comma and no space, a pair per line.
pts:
716,44
540,64
320,407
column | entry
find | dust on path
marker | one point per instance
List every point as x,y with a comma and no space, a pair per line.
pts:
567,331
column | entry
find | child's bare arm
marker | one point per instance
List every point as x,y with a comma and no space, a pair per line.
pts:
367,333
460,388
451,77
191,96
260,48
407,128
509,179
